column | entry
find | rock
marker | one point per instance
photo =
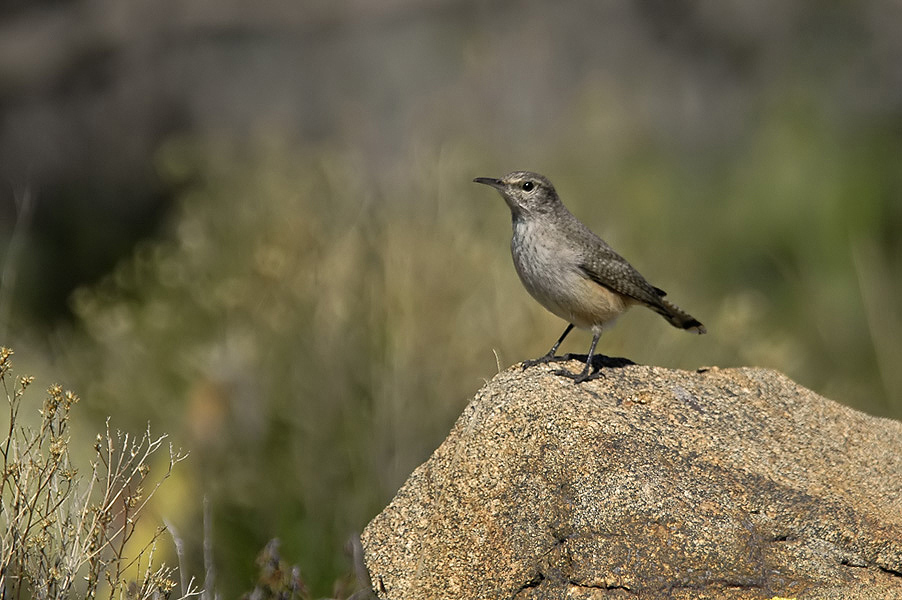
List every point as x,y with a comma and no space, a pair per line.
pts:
648,483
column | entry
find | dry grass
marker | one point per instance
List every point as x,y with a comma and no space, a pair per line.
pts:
66,535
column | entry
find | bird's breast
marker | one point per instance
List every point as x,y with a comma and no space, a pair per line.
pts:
549,268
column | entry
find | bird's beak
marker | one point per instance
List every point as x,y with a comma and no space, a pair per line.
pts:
495,183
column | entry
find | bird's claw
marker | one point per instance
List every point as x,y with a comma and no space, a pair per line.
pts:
585,375
542,360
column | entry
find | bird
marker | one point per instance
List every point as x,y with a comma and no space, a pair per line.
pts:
570,270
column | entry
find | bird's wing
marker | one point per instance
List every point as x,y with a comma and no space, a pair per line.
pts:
611,270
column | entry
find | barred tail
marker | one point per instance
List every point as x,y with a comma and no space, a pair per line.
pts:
678,317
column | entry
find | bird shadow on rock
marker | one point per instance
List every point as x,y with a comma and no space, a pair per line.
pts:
599,363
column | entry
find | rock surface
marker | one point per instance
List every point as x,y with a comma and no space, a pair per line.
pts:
648,483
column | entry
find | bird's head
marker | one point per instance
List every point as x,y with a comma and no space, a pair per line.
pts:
525,192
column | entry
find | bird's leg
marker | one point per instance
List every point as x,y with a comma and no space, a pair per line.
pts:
550,356
586,374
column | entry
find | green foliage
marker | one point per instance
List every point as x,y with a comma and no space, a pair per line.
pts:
787,240
315,316
311,330
309,333
64,536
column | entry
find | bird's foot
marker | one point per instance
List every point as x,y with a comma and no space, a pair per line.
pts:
586,374
542,360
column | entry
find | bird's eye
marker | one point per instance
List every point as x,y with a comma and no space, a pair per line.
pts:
527,186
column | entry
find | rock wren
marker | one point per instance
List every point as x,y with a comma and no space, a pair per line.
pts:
571,271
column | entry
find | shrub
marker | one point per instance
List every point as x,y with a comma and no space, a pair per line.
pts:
65,535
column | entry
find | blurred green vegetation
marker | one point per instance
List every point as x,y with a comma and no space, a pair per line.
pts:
311,331
323,300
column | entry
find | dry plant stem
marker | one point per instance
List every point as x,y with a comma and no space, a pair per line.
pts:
61,539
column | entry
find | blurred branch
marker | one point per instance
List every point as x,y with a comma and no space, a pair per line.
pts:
361,573
209,565
24,210
179,551
875,284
